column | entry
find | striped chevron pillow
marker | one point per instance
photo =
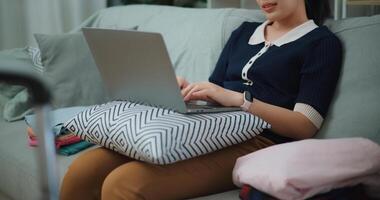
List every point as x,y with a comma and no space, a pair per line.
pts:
162,136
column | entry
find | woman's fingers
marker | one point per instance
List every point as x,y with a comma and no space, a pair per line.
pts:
187,89
193,89
179,81
211,93
202,95
185,84
188,92
182,83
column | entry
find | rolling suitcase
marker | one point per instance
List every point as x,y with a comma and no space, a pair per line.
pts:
46,153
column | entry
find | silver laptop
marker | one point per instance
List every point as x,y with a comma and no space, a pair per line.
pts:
135,66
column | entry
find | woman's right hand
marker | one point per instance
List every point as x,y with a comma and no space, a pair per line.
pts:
182,82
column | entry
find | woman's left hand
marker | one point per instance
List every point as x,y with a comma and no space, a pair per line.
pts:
212,93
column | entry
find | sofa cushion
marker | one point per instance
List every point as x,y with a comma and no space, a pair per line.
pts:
355,110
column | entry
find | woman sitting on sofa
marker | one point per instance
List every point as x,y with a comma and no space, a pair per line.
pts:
284,70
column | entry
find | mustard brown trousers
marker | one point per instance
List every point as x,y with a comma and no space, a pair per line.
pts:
103,174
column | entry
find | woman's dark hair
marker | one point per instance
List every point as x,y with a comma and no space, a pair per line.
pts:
318,10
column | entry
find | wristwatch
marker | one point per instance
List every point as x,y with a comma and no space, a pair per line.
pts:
248,100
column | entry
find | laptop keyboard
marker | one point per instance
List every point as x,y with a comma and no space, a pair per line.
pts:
202,105
193,106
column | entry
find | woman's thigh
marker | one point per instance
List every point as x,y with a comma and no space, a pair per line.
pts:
211,173
86,174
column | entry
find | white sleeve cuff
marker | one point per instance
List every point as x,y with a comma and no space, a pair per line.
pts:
310,113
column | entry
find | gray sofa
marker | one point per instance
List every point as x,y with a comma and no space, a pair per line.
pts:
195,38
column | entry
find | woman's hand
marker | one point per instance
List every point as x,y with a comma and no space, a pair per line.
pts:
182,83
212,93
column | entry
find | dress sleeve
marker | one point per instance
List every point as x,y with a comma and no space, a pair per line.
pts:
320,73
219,73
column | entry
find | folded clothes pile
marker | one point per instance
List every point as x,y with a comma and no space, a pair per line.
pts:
66,143
307,169
348,193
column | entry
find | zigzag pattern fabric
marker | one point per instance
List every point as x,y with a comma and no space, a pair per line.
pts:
35,55
162,136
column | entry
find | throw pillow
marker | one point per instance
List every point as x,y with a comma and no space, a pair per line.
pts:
70,70
159,135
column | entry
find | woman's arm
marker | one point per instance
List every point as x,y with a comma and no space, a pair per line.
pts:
284,122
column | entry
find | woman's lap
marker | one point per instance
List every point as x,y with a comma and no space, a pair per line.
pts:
86,174
118,177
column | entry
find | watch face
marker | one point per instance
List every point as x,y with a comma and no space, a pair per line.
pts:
247,96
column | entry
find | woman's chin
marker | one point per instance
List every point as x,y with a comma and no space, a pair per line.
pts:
272,16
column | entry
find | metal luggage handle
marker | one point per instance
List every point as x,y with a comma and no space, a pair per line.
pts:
46,150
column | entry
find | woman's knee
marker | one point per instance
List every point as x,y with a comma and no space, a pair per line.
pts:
132,181
87,173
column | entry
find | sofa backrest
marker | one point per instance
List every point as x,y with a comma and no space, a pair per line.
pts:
195,38
355,110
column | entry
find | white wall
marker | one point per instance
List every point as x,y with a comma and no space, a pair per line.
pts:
223,3
232,3
12,26
19,19
251,4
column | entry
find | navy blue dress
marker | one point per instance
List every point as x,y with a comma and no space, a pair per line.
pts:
302,71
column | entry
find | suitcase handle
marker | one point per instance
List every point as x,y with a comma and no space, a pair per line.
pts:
46,151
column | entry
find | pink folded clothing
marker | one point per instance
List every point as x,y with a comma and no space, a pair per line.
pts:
32,142
299,170
60,140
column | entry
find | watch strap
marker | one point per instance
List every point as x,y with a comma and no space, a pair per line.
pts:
247,101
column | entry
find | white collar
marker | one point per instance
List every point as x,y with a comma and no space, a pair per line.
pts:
296,33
